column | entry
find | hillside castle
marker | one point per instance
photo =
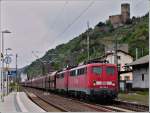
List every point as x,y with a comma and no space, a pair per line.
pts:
119,20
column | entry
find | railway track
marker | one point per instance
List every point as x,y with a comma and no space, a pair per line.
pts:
74,105
67,104
121,106
47,106
109,108
131,106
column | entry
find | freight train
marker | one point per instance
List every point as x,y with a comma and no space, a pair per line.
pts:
98,80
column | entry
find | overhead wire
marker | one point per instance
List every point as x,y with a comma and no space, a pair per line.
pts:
76,19
58,15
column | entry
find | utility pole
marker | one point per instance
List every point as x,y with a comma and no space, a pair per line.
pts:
115,55
88,41
2,67
136,53
16,72
43,68
142,52
7,74
116,59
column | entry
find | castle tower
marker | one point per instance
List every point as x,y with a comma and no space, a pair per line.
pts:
125,12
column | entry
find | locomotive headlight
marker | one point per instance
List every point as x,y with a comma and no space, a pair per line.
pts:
94,83
113,84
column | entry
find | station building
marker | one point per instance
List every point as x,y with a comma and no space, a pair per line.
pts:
140,73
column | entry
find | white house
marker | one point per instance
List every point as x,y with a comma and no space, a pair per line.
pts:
23,77
123,59
140,72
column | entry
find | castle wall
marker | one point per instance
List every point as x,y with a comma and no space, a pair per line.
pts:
119,20
116,20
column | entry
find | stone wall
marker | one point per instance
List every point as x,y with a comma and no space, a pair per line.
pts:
125,12
116,20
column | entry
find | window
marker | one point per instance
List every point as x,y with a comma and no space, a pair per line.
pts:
110,70
97,70
118,57
62,75
81,71
57,76
126,78
142,77
73,73
146,69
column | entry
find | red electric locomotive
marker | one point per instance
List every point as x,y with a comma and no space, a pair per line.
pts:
94,80
89,80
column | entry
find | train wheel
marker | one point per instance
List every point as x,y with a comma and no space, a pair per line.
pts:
92,98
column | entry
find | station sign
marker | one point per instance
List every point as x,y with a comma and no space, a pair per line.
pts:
7,60
12,73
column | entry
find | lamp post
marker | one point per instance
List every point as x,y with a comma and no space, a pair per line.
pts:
88,44
2,73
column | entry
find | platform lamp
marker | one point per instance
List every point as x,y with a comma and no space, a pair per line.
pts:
2,58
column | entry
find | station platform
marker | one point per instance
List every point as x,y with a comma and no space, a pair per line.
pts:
18,102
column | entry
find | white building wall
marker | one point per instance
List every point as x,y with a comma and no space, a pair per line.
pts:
23,77
124,59
137,78
130,75
110,58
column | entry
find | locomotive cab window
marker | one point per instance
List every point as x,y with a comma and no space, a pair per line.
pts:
62,75
73,73
110,70
81,71
57,76
97,70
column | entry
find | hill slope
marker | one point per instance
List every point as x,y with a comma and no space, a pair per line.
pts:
135,33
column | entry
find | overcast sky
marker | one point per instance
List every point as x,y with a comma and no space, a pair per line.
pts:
37,25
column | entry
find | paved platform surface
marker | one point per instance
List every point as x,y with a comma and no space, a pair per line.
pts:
18,102
9,104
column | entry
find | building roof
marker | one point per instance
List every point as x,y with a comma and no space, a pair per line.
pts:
111,53
110,47
142,60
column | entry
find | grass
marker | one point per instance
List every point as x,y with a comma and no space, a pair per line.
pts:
138,97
